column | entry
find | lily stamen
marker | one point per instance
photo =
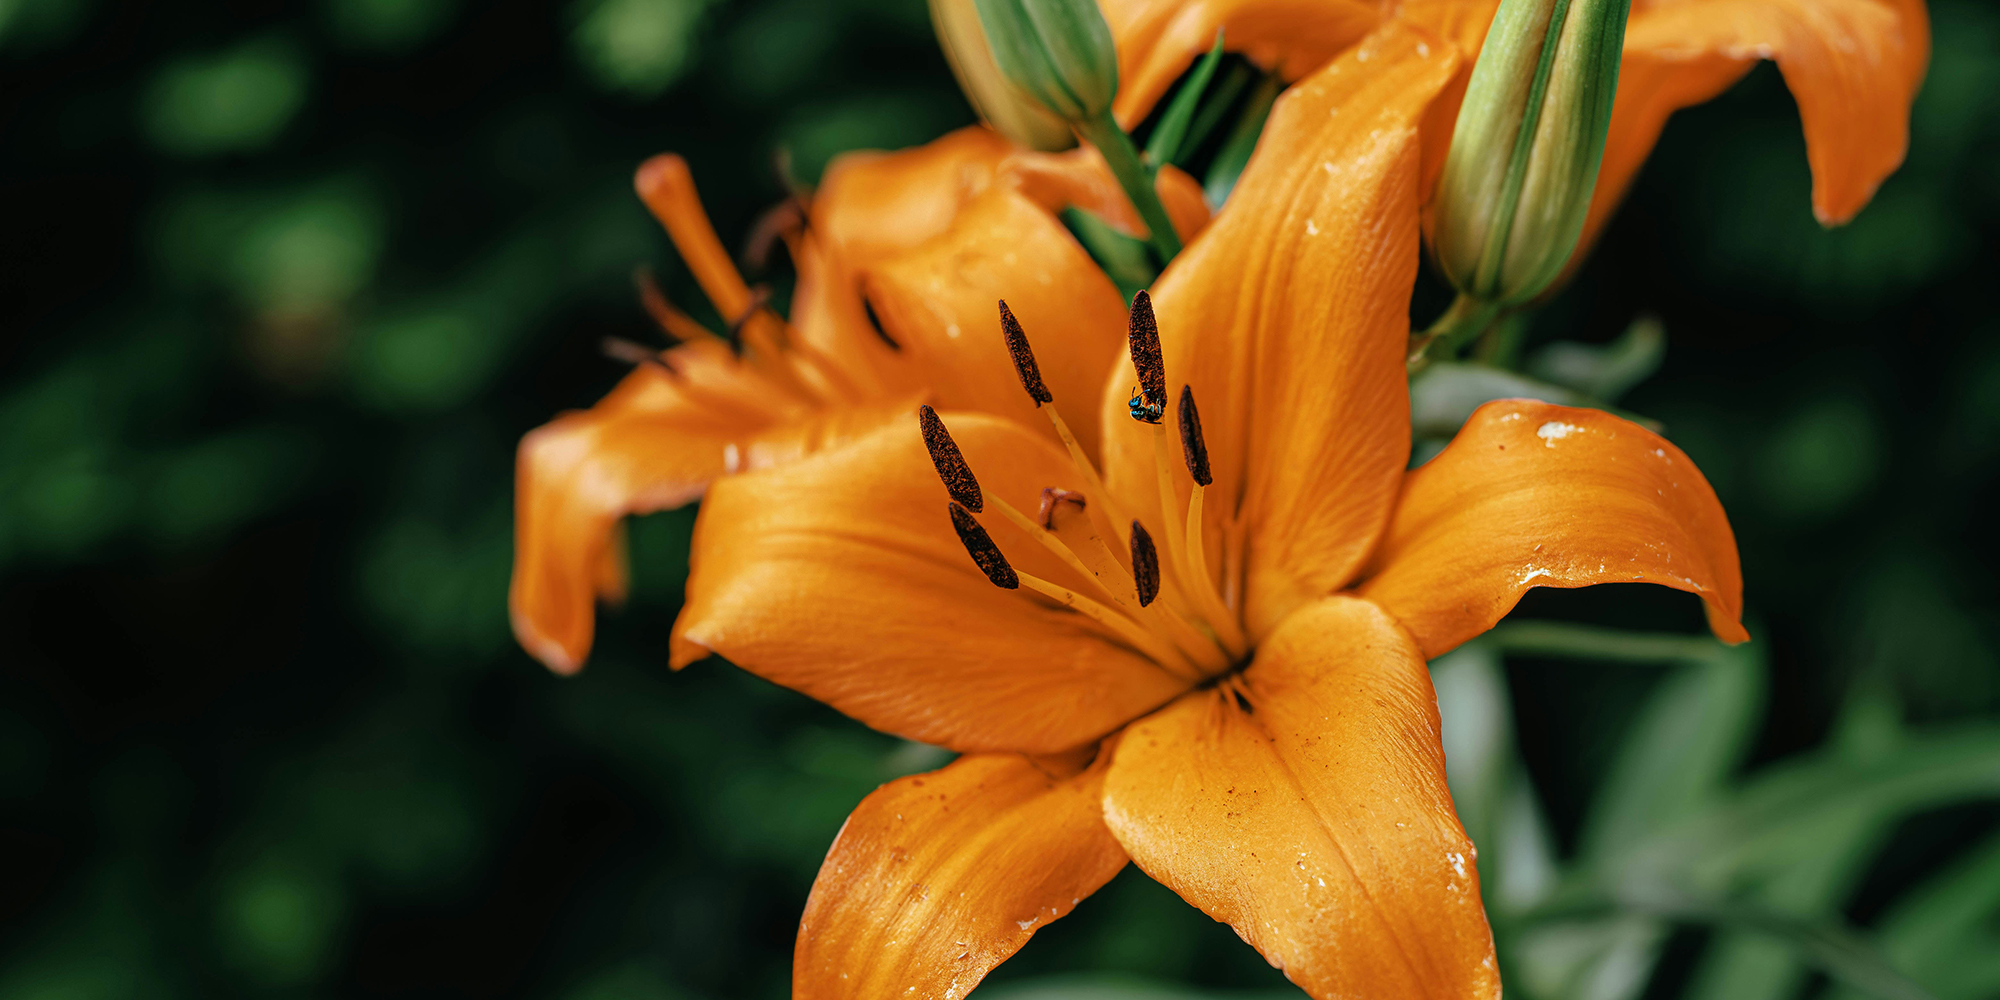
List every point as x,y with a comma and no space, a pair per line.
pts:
980,546
1194,450
1105,513
1187,563
1145,564
1189,646
635,354
673,322
1143,337
949,461
987,556
1196,644
668,190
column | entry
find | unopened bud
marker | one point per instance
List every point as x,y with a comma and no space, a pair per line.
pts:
1058,52
1524,155
998,102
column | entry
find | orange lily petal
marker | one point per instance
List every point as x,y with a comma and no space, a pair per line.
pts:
1534,495
840,576
1852,65
654,443
667,187
939,302
1080,178
1315,820
939,877
1287,315
1159,39
870,206
647,446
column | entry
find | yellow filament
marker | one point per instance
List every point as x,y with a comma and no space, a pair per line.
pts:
1104,510
1232,566
1127,629
1193,574
1167,657
1194,645
1232,639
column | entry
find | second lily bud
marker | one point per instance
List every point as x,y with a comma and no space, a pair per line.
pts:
1523,162
1004,106
1059,52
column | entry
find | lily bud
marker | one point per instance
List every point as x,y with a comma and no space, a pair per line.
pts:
998,102
1058,52
1524,156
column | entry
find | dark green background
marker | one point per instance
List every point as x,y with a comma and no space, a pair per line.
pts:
285,283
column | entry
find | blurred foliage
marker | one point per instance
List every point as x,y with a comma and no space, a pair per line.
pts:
287,282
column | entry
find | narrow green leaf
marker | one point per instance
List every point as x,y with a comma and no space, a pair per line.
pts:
1588,642
1608,371
1242,141
1123,258
1689,738
1947,933
1164,146
1828,946
1213,108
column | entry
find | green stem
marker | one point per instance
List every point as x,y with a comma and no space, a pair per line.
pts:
1123,158
1585,642
1466,318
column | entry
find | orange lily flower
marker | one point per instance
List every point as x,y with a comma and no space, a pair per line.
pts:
899,254
1206,654
1853,65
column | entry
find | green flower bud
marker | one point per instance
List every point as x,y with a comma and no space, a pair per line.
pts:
1058,52
1000,103
1524,156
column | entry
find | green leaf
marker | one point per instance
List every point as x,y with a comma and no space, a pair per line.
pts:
1690,737
1826,945
1241,142
1445,394
1587,642
1596,959
1217,104
1123,258
1489,785
1164,146
1112,986
1947,932
1604,372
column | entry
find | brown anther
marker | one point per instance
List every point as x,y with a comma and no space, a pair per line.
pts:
1144,337
1193,447
950,462
979,545
620,349
1145,564
1024,356
1052,497
875,322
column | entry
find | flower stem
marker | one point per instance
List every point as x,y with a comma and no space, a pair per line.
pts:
1466,318
1137,180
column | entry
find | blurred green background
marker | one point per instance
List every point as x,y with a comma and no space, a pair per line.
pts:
285,283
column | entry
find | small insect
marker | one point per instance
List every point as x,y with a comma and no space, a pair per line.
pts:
1143,411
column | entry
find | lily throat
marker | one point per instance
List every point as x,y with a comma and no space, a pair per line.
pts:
1152,588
